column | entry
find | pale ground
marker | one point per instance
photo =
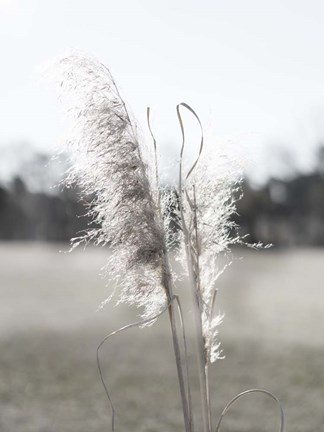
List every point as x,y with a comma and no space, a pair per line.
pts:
49,329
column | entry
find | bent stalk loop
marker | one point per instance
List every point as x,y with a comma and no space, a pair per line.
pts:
247,392
191,240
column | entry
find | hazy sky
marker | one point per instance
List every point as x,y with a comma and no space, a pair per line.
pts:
252,69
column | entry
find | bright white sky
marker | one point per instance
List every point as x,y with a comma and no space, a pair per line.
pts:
252,69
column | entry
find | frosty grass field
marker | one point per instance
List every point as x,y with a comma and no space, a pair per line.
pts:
272,337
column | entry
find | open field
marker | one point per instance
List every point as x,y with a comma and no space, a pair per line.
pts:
49,329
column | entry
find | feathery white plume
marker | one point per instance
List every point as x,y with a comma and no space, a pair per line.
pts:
107,164
211,194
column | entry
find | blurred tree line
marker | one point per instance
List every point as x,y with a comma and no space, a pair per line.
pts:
33,204
285,212
26,215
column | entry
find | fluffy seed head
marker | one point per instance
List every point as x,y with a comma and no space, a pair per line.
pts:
107,163
212,191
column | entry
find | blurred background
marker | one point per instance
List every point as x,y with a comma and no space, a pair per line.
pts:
253,71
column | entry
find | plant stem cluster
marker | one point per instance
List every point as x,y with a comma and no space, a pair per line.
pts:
109,163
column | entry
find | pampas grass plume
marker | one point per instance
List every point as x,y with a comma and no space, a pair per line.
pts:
107,164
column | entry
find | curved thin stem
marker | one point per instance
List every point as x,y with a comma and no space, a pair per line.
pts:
156,166
122,329
200,344
186,360
119,96
231,402
188,107
176,347
167,283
